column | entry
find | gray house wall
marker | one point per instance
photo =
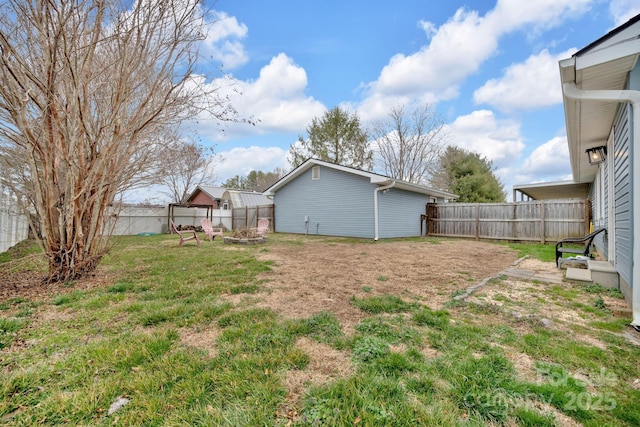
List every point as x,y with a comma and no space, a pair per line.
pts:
622,188
399,213
337,204
622,193
342,204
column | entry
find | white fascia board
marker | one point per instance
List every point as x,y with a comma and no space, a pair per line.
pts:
610,53
402,185
567,69
380,180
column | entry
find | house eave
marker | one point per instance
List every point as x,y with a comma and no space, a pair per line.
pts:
588,122
553,190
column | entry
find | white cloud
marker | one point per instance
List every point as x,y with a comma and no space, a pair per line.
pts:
458,48
481,132
277,100
549,161
377,106
242,160
510,15
623,10
223,41
532,84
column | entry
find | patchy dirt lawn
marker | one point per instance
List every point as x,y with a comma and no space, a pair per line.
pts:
324,275
314,277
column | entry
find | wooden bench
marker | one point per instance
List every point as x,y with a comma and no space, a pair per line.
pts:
575,241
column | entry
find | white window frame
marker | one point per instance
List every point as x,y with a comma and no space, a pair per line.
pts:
315,173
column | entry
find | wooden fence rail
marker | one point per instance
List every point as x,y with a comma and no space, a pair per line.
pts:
538,221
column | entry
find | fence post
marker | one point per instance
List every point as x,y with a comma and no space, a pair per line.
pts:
514,222
543,234
478,222
587,216
273,217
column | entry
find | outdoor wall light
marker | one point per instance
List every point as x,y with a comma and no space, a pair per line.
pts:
597,154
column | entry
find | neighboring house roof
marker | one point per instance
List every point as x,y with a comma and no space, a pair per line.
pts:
602,65
241,199
553,190
374,178
214,192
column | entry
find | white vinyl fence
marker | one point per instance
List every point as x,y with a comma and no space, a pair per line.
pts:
14,225
133,220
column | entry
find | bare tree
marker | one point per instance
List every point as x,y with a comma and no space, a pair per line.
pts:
86,86
410,143
191,165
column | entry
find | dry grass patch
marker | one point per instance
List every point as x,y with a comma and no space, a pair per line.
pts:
202,339
314,277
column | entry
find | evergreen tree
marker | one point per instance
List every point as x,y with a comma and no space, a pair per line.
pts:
338,138
468,175
255,180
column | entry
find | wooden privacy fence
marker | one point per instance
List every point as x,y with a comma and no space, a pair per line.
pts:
540,221
248,217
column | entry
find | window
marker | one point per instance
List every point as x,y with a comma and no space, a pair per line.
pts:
315,173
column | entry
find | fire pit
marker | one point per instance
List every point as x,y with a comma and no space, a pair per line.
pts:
245,236
245,240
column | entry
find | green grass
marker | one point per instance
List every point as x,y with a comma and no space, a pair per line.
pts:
383,304
20,251
165,334
546,253
8,330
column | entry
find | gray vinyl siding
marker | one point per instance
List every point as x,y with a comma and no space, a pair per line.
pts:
399,213
337,204
622,192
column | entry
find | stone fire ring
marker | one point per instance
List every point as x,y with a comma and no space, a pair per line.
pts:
245,240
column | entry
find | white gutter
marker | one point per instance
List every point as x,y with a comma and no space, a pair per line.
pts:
375,207
571,91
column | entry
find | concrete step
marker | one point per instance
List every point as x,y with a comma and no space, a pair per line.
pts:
605,274
579,274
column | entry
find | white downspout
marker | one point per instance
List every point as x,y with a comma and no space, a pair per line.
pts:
633,97
375,207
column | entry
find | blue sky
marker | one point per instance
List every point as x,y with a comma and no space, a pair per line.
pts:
490,68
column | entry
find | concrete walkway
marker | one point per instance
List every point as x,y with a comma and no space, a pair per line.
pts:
554,277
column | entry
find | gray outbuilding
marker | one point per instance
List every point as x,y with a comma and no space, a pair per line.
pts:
324,198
